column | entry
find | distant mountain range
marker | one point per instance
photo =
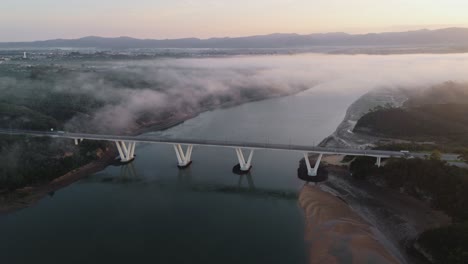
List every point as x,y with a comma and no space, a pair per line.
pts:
440,37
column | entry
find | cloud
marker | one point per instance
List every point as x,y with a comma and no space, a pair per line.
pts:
182,85
133,93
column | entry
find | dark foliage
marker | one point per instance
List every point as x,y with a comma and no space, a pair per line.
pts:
34,161
447,244
437,183
447,122
438,114
432,180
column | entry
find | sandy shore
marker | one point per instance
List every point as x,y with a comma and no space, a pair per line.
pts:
336,234
399,217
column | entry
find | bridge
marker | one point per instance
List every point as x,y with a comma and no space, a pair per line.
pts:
126,146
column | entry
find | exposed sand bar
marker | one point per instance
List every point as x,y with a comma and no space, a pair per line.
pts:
336,234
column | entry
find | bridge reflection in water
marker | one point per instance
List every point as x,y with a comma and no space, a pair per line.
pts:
128,172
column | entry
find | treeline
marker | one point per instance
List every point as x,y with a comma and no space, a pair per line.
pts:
435,182
34,161
432,180
462,150
437,122
438,114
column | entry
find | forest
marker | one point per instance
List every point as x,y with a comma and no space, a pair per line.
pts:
435,182
438,115
432,120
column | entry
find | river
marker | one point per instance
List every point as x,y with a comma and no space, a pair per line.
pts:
150,211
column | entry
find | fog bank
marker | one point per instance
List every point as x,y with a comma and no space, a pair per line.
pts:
133,93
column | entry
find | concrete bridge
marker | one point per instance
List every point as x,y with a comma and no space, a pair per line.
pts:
126,146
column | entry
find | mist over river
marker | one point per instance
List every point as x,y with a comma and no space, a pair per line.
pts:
151,212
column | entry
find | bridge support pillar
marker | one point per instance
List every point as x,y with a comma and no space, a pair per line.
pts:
312,171
379,162
183,158
78,141
244,165
126,152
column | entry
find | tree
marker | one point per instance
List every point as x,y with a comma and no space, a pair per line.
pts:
436,155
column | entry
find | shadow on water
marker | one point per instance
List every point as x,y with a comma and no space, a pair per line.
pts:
245,184
245,187
127,174
302,173
250,182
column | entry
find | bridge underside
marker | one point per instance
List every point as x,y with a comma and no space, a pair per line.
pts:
183,158
126,150
312,171
244,165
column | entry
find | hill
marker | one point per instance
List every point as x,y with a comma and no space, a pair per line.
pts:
441,37
438,114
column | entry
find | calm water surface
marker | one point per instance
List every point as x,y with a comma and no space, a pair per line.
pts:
152,212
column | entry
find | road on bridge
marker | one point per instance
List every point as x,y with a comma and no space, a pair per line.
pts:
214,143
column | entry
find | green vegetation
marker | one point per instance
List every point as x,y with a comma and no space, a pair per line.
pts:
21,117
31,98
433,181
464,154
34,161
445,123
440,116
415,147
447,244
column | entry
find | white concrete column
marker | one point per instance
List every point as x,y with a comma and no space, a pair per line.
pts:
126,152
183,158
312,171
379,162
244,165
132,149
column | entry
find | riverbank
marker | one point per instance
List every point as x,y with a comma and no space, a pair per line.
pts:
28,196
399,217
18,199
337,234
344,137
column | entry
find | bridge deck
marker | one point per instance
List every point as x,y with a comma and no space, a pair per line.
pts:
211,143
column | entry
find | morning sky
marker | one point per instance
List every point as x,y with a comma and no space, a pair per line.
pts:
24,20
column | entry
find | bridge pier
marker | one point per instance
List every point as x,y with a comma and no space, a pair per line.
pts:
126,152
183,158
244,166
378,163
312,171
78,141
